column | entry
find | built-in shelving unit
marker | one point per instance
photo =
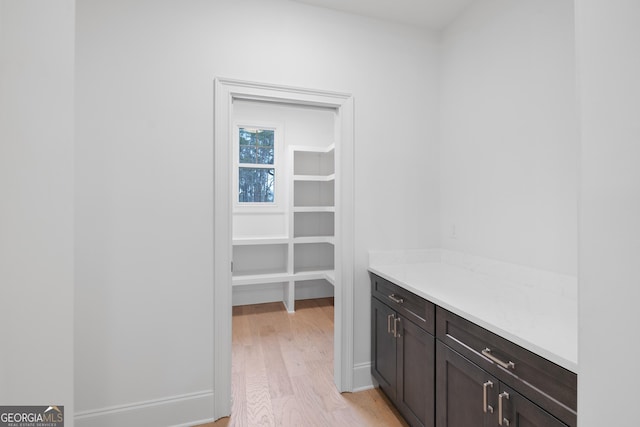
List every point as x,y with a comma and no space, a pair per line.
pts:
307,253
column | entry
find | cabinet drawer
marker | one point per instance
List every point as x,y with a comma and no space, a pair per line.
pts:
415,308
550,386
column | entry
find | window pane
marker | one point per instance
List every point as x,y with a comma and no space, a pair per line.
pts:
264,156
265,137
247,137
256,185
257,146
247,154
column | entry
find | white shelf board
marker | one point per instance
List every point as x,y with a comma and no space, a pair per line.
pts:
314,209
314,239
268,240
328,275
254,279
313,149
315,178
331,277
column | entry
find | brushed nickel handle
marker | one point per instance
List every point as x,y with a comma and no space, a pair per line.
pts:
389,317
501,419
484,397
506,365
396,330
396,299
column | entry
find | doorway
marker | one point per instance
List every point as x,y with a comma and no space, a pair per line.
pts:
225,93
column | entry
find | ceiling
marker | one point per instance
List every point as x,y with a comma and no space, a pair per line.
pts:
434,14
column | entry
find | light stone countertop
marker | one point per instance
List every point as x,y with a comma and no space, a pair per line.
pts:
543,322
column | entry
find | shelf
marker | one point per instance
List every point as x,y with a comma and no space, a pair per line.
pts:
315,178
256,279
331,276
240,241
314,161
283,240
314,239
305,252
328,275
314,209
314,149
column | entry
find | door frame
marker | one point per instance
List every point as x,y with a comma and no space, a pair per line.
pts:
225,92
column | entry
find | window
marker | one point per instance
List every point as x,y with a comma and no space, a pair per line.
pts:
256,165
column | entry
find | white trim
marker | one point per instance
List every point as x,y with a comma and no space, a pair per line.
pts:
176,410
222,297
225,91
362,379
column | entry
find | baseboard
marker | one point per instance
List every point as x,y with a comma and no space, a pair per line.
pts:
182,410
362,379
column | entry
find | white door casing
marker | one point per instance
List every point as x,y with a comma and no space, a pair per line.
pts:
225,92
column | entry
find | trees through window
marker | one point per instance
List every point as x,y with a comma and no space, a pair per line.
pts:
256,169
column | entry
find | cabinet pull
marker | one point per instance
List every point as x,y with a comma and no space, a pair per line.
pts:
389,317
501,419
506,365
484,397
396,299
396,330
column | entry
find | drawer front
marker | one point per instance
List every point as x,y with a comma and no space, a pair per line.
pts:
552,387
415,308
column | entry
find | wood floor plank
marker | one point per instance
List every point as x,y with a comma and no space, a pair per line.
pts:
258,399
282,372
239,395
277,373
288,412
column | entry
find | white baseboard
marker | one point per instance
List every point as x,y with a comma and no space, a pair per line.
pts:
183,410
362,379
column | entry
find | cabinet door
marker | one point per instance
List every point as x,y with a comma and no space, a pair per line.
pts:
517,411
416,373
466,395
383,347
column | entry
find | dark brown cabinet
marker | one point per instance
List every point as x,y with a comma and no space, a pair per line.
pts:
465,376
521,412
383,348
403,358
467,395
548,387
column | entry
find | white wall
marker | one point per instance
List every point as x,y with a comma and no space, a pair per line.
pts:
509,133
36,203
144,256
608,40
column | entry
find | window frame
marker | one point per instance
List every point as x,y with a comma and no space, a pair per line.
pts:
279,196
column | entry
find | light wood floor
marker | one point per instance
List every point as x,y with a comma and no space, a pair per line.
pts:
282,372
